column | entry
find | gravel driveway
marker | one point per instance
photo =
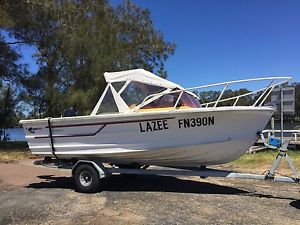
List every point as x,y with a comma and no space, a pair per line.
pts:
38,195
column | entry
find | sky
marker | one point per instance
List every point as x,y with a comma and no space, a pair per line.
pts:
220,40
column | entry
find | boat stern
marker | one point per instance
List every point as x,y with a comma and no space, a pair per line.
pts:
37,136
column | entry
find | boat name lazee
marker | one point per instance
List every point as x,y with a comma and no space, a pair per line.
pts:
182,123
196,122
154,126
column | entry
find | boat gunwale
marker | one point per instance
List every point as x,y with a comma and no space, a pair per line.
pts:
113,116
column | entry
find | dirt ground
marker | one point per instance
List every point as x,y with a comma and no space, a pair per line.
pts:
37,195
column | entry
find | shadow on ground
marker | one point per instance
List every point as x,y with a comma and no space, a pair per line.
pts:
150,183
51,181
295,204
153,183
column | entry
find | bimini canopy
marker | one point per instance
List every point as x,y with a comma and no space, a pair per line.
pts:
126,90
139,75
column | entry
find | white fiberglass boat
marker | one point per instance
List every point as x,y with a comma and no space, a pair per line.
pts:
143,119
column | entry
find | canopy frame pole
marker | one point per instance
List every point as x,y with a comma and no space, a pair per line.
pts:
94,112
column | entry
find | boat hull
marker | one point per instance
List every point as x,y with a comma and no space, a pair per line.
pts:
196,137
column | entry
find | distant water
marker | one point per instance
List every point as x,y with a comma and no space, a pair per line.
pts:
15,134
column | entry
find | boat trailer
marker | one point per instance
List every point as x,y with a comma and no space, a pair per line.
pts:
87,174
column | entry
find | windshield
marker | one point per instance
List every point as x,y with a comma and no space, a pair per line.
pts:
136,92
169,100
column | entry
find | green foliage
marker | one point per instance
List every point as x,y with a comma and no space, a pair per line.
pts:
8,116
9,68
10,73
77,41
210,96
13,145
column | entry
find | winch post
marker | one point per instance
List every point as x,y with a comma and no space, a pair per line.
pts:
292,166
282,153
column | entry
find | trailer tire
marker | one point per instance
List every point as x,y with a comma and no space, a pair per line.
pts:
86,178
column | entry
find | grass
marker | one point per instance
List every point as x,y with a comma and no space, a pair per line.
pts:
261,161
13,145
11,151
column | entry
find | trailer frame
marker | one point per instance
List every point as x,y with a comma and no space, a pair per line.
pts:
88,173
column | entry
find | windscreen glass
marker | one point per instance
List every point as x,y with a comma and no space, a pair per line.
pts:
108,104
169,100
136,92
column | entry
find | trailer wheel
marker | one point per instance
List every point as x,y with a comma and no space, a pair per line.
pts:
86,178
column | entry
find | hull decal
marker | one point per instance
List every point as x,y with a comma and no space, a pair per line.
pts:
93,124
73,135
115,122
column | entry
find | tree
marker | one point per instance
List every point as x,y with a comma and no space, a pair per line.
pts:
210,96
7,110
77,41
10,72
9,66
